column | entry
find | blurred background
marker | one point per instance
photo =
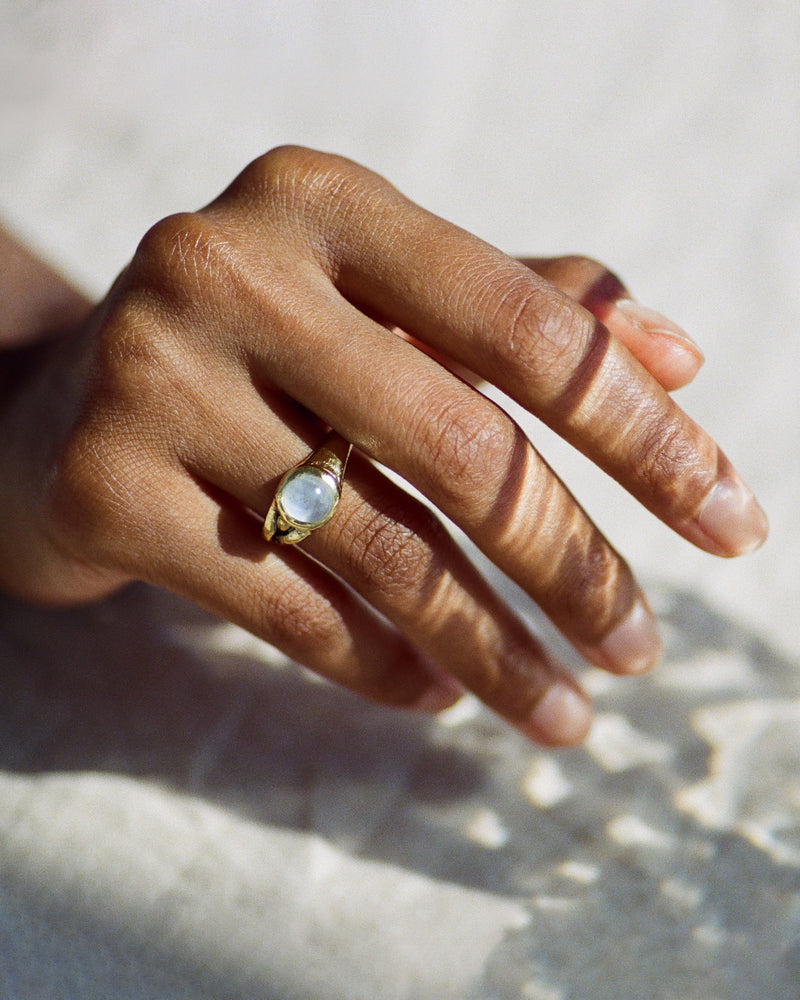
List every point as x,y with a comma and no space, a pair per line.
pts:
139,738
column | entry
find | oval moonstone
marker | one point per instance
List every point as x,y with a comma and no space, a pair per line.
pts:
307,497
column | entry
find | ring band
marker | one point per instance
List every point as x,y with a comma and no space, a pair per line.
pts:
308,493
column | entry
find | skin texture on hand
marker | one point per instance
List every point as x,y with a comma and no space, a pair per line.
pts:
148,444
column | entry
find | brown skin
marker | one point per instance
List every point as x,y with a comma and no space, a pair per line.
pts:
144,441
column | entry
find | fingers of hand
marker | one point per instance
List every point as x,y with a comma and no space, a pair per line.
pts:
493,315
185,525
393,552
498,488
169,528
411,415
470,459
292,602
265,298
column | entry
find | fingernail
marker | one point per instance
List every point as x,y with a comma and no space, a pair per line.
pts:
634,645
442,694
653,323
562,716
732,517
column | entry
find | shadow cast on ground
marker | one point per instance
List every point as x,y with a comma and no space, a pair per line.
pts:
651,857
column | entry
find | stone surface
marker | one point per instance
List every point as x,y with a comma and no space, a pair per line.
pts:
307,497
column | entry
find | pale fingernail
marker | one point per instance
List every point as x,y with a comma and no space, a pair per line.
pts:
634,645
562,716
442,694
652,322
732,517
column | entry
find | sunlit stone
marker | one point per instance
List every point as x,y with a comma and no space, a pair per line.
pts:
307,497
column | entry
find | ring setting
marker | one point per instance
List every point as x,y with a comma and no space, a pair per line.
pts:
308,493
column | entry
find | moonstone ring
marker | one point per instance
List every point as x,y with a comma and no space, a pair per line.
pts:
307,495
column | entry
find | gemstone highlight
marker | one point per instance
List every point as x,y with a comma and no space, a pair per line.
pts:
307,497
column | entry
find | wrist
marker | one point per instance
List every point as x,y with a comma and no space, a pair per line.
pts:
37,562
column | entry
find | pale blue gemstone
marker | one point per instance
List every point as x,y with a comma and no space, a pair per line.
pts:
308,497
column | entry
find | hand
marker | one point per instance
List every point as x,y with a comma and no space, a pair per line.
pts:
148,445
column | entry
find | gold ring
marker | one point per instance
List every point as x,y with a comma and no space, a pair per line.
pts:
308,493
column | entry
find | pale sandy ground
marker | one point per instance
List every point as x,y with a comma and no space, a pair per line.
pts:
183,815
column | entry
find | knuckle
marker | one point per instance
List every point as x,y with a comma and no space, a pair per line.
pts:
271,179
297,179
180,257
467,452
665,458
296,620
277,170
561,334
591,586
516,310
311,199
538,333
399,552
